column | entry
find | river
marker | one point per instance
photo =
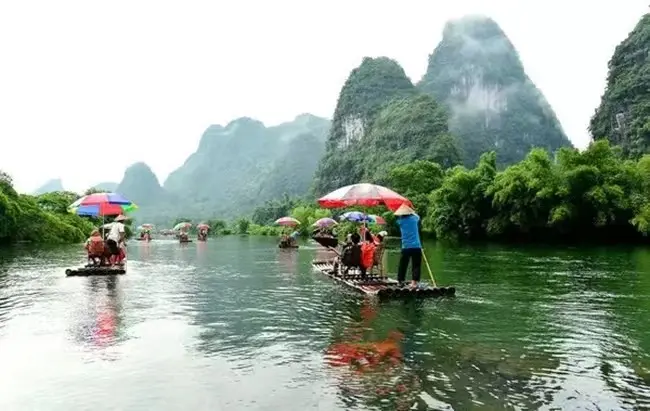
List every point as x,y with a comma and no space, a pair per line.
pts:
236,323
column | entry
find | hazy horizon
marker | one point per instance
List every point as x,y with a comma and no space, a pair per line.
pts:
137,75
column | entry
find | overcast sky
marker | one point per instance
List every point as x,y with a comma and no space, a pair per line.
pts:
147,77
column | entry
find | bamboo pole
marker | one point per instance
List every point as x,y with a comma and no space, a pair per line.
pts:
426,262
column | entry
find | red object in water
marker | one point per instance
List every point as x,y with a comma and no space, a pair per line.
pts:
363,194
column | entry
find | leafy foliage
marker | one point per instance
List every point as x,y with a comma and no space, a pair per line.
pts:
39,219
408,129
416,181
494,106
595,194
624,112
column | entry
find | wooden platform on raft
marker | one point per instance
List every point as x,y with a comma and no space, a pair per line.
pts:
87,271
184,241
380,286
288,246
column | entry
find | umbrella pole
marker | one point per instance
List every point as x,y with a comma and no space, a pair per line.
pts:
424,257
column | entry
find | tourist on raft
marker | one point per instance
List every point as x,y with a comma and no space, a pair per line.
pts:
203,234
116,239
95,248
351,255
408,223
367,254
379,251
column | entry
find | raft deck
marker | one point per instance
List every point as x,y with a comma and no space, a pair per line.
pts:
380,286
87,271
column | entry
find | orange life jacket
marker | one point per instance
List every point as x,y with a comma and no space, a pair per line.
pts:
96,246
367,254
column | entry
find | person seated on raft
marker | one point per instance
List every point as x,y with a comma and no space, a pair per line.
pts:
379,248
351,256
203,234
367,254
293,238
183,236
95,248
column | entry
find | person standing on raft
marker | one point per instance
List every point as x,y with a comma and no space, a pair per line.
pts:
409,227
116,237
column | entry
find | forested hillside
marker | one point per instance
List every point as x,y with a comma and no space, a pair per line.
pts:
476,72
234,169
380,121
623,116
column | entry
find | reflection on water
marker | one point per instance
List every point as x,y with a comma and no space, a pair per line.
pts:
97,324
236,323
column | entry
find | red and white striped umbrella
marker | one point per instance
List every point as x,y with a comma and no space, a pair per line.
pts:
363,194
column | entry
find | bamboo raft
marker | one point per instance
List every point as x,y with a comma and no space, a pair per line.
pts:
381,286
88,271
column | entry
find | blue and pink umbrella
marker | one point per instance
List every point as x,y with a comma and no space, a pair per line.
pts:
102,204
358,217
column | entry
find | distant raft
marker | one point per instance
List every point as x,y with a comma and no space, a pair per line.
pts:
380,286
88,271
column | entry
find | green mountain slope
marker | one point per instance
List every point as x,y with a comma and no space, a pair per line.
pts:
623,116
493,105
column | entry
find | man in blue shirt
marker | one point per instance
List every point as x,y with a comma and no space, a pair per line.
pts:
408,223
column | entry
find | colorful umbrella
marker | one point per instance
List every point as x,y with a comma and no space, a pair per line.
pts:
102,210
364,194
180,226
325,222
356,216
203,226
102,204
287,221
146,227
376,219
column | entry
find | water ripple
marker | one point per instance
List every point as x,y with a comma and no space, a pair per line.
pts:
190,325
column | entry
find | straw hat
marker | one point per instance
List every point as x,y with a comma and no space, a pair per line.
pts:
120,218
94,232
404,210
383,233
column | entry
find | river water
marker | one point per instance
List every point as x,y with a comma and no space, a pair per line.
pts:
236,323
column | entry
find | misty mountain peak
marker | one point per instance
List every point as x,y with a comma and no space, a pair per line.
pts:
50,186
477,72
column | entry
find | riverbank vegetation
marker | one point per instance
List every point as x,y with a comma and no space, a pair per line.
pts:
596,194
44,218
39,219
